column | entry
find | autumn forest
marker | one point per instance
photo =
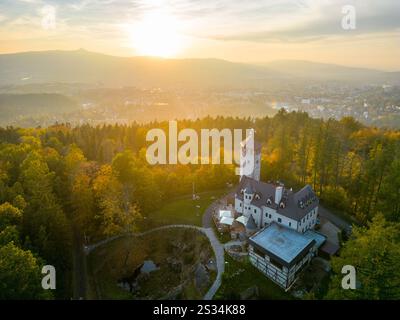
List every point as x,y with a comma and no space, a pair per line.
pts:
64,186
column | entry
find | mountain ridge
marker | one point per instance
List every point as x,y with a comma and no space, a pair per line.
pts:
91,67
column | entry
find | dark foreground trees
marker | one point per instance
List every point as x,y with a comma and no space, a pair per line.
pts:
374,251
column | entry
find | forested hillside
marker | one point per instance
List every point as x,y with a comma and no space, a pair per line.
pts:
63,183
15,106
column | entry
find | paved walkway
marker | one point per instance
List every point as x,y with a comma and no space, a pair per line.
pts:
231,243
219,255
209,232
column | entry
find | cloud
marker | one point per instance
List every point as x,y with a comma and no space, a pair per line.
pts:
260,21
30,1
79,5
83,4
295,21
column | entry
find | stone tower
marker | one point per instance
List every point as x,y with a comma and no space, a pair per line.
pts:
250,159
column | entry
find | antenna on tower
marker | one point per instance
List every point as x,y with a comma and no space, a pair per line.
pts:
194,197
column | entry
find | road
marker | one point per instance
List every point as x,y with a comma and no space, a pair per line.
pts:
79,267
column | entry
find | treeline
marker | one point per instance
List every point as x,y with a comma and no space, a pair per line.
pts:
59,192
63,186
352,167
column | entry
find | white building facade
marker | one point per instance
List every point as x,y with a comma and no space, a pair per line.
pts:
285,241
268,204
281,253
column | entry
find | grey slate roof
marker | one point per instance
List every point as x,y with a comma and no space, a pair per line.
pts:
297,205
251,224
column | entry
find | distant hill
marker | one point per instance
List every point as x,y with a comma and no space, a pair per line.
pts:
88,67
324,71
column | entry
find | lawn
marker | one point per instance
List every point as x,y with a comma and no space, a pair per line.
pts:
240,276
176,253
184,210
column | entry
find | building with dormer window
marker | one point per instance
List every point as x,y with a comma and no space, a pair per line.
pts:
284,240
269,202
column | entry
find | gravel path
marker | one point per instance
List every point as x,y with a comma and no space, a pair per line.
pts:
219,254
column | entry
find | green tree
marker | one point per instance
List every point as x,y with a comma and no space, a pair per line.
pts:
20,274
374,251
9,215
114,214
9,234
82,203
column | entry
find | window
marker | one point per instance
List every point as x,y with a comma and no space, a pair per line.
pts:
290,224
279,220
240,204
270,216
275,263
255,211
258,252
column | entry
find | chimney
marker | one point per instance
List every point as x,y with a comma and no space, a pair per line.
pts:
278,194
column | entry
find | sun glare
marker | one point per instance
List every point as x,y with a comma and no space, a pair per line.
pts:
157,35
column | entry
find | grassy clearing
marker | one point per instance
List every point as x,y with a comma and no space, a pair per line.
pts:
183,210
240,276
118,259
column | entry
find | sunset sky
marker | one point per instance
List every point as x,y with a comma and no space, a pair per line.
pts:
248,31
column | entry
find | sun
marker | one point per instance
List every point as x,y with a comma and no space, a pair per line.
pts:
157,34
